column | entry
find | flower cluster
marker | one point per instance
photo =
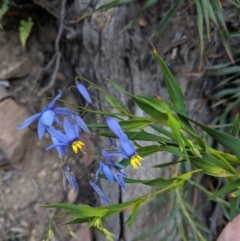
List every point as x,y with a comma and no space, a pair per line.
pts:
108,166
65,127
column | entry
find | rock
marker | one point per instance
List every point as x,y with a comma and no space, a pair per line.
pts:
13,142
71,196
42,173
4,93
83,233
14,61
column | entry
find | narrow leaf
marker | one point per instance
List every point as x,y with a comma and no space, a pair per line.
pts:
169,13
25,30
174,90
234,201
236,126
232,186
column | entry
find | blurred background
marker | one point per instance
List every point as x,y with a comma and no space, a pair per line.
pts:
45,44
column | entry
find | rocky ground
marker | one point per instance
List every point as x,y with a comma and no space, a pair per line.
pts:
30,176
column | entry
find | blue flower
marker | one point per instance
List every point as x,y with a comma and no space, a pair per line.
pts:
46,117
119,177
110,173
100,192
109,159
81,123
116,128
83,91
70,138
127,151
69,176
60,149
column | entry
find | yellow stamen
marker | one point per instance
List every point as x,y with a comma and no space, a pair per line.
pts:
77,146
135,161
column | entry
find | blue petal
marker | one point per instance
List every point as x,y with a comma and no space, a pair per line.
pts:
81,123
67,172
83,91
127,148
107,172
100,192
60,149
106,156
64,183
119,165
41,129
54,146
119,177
63,111
97,173
57,134
47,117
115,128
70,129
28,121
52,103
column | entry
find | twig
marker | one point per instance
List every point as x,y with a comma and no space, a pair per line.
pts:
57,51
48,213
175,44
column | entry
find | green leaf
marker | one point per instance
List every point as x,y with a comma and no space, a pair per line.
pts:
158,182
176,129
113,4
228,141
234,201
205,6
151,111
74,235
174,90
211,13
25,30
146,6
114,103
173,150
162,131
230,187
135,124
141,136
3,10
118,87
77,218
213,166
159,104
168,164
219,14
226,71
236,126
84,210
200,30
132,217
169,13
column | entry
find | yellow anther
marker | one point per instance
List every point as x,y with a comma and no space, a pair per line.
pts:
136,161
77,146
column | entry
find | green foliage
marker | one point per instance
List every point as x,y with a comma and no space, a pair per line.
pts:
195,158
3,9
25,30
